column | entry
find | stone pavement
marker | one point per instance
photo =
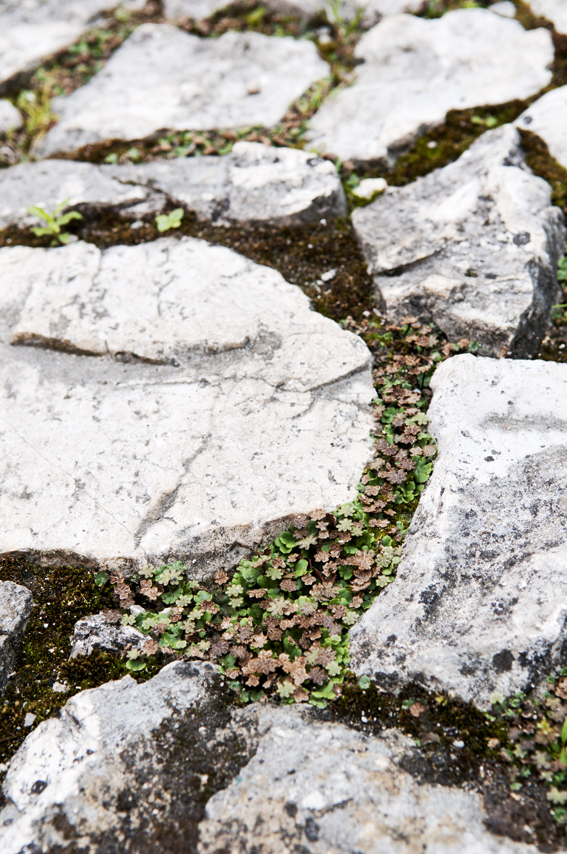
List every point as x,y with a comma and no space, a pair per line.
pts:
227,435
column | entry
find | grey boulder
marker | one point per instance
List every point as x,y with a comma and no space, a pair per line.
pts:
547,117
162,77
255,183
15,608
479,604
472,247
169,400
416,70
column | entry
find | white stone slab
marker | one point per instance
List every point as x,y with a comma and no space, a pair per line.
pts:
162,77
415,70
180,10
547,117
257,407
15,607
255,183
554,10
473,247
33,29
480,600
10,118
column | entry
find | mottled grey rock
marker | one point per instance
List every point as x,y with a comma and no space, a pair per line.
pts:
547,117
554,10
162,77
15,607
479,604
415,70
125,767
102,631
473,247
10,118
218,405
130,767
33,29
255,183
326,788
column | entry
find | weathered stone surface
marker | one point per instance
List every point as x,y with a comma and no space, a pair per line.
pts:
473,247
132,766
504,7
125,767
10,118
547,117
98,631
162,77
554,10
480,600
322,787
415,70
15,607
254,183
346,10
31,30
218,405
179,10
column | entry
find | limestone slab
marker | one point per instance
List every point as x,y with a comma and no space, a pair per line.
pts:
415,70
10,118
472,247
15,607
255,183
139,762
30,31
162,77
547,117
554,10
180,10
214,403
479,604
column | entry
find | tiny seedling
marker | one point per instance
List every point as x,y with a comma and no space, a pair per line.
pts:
54,222
171,220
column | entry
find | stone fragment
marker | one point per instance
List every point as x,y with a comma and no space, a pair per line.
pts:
218,405
415,70
30,31
180,10
326,788
479,604
162,77
100,631
124,761
553,10
139,762
504,7
10,118
255,183
473,247
15,607
369,186
547,117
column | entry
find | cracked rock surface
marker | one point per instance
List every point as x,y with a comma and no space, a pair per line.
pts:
479,602
190,376
472,247
101,775
547,118
15,607
255,183
422,69
162,77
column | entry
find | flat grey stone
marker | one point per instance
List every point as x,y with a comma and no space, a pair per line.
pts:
255,183
162,77
10,118
553,10
15,607
504,7
480,599
547,117
472,247
97,631
416,70
218,403
138,762
180,10
33,29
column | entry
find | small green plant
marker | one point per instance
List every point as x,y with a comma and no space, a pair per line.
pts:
54,222
171,220
562,269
